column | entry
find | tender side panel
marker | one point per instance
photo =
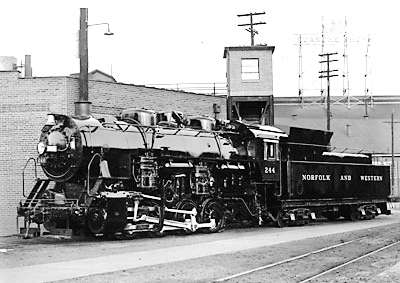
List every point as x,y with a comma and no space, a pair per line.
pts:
318,180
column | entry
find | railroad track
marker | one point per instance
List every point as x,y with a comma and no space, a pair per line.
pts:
318,252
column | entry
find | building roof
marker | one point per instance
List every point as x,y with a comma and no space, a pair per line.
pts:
378,99
352,128
248,48
97,75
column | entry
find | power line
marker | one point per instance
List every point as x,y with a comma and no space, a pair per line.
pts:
367,96
346,80
300,82
322,52
251,24
392,122
328,74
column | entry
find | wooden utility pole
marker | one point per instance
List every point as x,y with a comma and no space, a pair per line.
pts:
392,122
251,24
328,74
82,106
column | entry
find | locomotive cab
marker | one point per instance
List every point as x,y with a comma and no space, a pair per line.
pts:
264,147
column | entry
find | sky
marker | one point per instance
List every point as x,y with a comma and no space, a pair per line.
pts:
169,42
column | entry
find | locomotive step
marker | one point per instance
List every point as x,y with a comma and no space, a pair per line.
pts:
36,193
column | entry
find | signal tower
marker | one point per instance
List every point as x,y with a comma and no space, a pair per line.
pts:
249,79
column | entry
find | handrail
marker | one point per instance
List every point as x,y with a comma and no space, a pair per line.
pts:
88,173
147,127
23,173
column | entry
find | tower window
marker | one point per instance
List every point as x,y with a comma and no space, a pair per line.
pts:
250,69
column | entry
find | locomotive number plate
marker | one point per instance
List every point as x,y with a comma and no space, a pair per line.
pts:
269,170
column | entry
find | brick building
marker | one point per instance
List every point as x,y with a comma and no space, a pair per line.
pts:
26,101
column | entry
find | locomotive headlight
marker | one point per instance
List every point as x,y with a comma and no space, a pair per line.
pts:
41,148
51,120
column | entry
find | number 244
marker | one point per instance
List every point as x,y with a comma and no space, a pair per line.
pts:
269,170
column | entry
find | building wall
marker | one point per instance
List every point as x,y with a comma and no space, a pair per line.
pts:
238,87
25,103
111,98
23,109
386,159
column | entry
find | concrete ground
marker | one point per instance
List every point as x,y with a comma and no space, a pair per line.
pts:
201,257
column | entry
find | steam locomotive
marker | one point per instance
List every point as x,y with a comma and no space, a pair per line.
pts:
152,172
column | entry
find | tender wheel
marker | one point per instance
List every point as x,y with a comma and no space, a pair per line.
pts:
332,215
369,215
96,220
212,210
280,220
353,215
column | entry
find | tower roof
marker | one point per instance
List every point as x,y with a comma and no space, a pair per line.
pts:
246,48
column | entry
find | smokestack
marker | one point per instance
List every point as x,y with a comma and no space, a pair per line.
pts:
28,66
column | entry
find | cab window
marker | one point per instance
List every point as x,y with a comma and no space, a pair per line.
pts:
270,151
251,148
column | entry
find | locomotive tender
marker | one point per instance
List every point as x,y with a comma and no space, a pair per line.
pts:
150,171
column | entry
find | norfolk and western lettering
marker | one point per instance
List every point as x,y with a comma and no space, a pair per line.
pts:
308,177
322,177
371,178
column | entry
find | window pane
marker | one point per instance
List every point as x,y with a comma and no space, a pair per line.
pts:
271,150
251,149
250,63
250,69
250,76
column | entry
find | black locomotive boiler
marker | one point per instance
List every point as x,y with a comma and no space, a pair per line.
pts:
150,171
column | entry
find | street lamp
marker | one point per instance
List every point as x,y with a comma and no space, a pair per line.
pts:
108,32
82,106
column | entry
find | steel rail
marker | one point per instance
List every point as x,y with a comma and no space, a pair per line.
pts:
285,260
349,262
